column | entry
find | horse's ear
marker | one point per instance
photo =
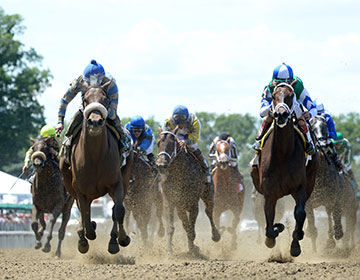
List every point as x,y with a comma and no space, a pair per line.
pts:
32,139
106,85
293,83
159,129
228,139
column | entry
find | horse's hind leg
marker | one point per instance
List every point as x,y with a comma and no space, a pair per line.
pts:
208,197
300,215
311,228
65,218
35,227
159,212
337,213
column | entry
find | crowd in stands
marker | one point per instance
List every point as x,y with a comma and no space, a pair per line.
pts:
15,221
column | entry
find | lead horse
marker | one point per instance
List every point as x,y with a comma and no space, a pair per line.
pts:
228,192
183,183
49,195
96,170
282,168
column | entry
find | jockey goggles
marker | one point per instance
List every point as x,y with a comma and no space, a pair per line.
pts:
135,130
179,117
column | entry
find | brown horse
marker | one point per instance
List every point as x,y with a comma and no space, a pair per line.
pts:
96,170
143,193
184,183
49,195
282,168
328,189
228,192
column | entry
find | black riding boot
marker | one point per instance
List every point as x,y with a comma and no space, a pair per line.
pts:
264,128
125,139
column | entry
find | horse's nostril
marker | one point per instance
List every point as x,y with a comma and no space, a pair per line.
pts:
276,114
89,122
100,122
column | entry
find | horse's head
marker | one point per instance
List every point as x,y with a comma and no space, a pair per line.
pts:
282,104
320,129
167,149
41,153
96,103
223,154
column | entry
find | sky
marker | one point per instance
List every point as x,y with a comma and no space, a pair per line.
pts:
209,55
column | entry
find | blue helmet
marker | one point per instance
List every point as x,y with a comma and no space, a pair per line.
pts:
137,122
93,68
283,73
180,114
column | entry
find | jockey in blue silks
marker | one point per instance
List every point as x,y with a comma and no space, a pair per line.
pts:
331,131
143,138
304,108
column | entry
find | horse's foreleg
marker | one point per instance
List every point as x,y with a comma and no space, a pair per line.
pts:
235,224
85,216
83,244
54,216
35,226
271,231
337,213
311,228
207,197
170,229
119,214
300,215
66,211
159,212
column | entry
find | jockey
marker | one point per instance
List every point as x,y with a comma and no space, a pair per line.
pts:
233,153
143,139
284,74
343,148
190,129
331,131
94,75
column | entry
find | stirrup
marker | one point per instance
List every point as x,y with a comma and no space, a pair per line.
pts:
256,145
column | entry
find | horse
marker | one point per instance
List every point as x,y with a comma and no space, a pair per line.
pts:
258,211
228,192
143,193
49,194
328,188
96,169
183,184
282,168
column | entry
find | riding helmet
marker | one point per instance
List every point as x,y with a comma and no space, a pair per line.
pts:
94,68
339,138
283,73
180,114
137,122
47,131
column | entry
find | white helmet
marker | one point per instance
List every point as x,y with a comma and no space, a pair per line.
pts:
319,106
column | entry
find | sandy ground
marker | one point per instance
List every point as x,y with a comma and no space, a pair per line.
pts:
217,261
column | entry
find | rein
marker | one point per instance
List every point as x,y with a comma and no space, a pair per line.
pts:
284,105
173,155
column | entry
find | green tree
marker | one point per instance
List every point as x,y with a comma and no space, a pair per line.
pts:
21,82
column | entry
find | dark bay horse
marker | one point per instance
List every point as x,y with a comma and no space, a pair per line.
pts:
142,194
282,168
96,170
228,193
183,183
328,189
49,195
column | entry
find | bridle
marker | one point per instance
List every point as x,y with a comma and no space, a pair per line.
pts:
283,105
174,153
223,155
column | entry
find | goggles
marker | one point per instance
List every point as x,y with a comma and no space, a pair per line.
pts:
135,130
179,118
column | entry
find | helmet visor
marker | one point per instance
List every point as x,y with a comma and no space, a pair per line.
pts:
135,130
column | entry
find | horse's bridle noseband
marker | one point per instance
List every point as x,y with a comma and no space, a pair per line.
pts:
173,155
223,155
283,105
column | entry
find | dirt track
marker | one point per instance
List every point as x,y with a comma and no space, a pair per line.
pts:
249,261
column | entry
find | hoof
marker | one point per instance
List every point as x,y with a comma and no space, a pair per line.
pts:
295,249
270,242
83,246
194,251
58,254
113,247
216,236
338,233
93,224
37,245
125,242
279,227
330,243
46,248
298,235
